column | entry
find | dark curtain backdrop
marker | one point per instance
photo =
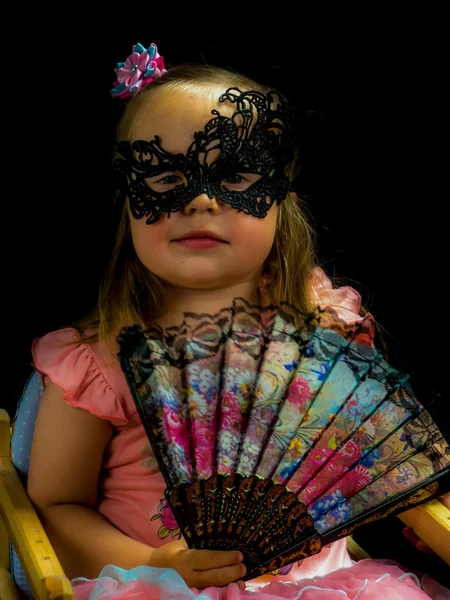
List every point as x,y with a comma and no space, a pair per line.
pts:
371,174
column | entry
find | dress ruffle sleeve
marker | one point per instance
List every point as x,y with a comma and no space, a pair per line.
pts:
345,302
75,368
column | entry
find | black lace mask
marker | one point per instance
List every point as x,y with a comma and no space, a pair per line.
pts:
253,146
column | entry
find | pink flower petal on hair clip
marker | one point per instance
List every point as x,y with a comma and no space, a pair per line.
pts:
133,68
142,67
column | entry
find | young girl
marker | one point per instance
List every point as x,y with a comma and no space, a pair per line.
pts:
190,239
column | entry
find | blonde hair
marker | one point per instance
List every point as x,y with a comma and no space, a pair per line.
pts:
130,294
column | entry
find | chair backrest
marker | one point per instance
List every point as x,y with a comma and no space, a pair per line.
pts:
24,422
21,441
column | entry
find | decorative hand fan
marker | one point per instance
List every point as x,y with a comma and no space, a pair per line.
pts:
278,432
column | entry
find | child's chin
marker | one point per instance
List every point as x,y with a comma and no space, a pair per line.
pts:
212,275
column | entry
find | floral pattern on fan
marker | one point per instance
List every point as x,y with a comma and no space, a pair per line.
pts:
272,426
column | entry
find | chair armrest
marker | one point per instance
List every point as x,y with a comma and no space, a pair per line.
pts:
431,522
39,561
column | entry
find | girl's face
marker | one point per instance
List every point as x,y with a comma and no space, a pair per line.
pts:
236,245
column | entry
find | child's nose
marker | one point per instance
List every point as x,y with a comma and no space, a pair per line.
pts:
202,203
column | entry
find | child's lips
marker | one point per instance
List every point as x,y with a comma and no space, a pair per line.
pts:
200,239
200,243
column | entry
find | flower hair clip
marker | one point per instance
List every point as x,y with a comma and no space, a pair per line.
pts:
143,66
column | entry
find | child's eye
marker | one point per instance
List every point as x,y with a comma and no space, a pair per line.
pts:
166,181
236,178
170,179
239,182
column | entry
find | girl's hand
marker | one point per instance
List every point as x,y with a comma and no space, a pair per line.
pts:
200,568
445,499
414,539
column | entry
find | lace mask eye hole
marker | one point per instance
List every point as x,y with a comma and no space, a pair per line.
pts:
239,182
165,182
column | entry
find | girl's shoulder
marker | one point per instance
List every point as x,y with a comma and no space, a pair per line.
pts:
89,374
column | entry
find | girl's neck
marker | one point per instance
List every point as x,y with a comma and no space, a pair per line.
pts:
211,300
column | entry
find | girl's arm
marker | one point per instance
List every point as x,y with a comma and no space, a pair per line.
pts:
65,465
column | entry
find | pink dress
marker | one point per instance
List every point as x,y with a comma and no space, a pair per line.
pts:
365,580
131,485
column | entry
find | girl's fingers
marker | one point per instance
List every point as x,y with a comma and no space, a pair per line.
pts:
205,560
219,577
424,548
415,540
445,499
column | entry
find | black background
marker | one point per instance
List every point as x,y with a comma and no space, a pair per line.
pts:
373,171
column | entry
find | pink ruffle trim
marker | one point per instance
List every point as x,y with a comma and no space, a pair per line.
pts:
345,300
74,368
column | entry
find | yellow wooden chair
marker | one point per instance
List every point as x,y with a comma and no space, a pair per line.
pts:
20,524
